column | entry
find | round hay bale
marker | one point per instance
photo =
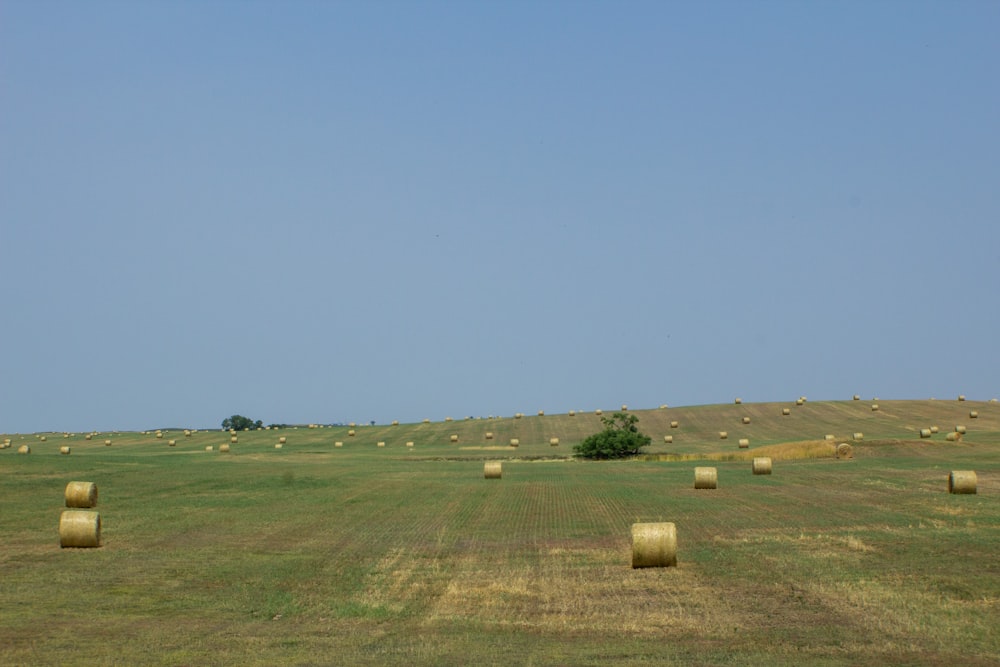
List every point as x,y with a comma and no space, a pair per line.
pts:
706,478
81,495
79,529
973,414
514,442
993,400
723,435
187,433
42,438
427,421
761,465
858,435
492,470
845,451
962,481
799,401
738,401
829,436
409,443
572,413
282,440
934,429
64,450
553,442
668,439
746,420
925,433
654,545
159,435
785,412
380,443
447,419
88,437
598,412
171,443
674,424
224,448
744,443
541,413
209,448
107,443
489,435
856,397
624,408
961,397
953,437
24,449
960,429
874,407
338,444
278,445
395,422
454,437
234,439
350,433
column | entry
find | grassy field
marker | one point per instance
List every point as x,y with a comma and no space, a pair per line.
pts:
319,555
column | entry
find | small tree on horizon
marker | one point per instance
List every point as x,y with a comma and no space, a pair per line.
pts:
240,423
619,439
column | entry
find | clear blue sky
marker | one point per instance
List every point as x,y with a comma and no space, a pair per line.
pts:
346,211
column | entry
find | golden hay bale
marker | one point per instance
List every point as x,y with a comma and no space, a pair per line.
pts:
492,469
514,442
65,435
874,407
624,408
427,421
744,443
973,414
706,478
278,445
24,449
961,397
654,545
953,437
674,424
42,438
738,401
454,437
107,443
447,419
934,429
761,465
234,439
785,411
80,528
64,450
960,429
395,422
829,436
572,413
845,451
159,435
409,443
664,406
282,439
187,433
598,412
925,433
224,447
209,448
489,435
668,439
88,437
799,401
518,415
993,400
746,420
380,443
723,435
338,444
350,433
554,442
858,435
541,413
81,494
856,397
171,443
962,481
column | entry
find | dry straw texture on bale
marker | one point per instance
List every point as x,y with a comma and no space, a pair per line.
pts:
746,420
761,465
845,451
24,449
962,481
925,433
668,439
785,411
224,447
723,435
744,443
492,469
514,442
973,414
706,478
554,442
81,495
674,424
960,429
80,528
654,545
64,450
953,437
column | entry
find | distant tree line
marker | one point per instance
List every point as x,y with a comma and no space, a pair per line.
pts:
241,423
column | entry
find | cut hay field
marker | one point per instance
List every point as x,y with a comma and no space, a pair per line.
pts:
322,555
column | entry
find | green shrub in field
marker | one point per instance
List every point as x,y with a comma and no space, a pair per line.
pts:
620,438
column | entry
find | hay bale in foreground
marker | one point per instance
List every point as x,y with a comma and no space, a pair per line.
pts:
395,422
572,413
761,465
80,529
845,451
42,438
962,481
654,545
81,495
706,478
492,469
64,450
925,433
744,443
24,449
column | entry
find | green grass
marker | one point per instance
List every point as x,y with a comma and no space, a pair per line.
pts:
318,555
